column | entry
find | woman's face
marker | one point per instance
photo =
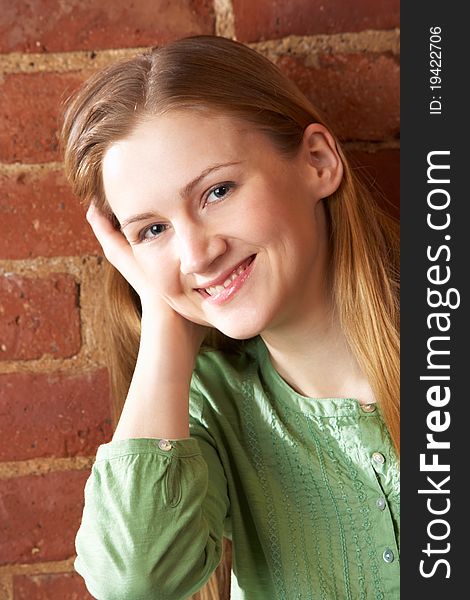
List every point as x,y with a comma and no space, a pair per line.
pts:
232,234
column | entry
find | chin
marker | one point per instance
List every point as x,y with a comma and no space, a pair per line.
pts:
240,331
239,336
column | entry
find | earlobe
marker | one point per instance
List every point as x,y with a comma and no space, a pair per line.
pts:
324,162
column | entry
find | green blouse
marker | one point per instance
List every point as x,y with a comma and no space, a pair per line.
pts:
307,490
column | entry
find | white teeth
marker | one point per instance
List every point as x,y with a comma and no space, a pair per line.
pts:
216,289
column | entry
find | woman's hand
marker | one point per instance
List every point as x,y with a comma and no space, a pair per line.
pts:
119,253
116,248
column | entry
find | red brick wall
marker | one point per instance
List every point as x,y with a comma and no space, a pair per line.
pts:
54,395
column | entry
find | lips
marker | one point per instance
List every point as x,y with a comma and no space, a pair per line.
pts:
234,280
218,285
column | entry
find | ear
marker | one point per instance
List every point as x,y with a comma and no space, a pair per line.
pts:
321,160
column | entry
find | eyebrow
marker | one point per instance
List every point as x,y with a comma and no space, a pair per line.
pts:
184,192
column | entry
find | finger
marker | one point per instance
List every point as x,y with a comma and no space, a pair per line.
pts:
114,244
109,237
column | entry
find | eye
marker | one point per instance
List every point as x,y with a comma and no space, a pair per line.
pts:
152,231
219,192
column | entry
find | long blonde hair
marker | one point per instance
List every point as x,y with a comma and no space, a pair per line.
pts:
218,73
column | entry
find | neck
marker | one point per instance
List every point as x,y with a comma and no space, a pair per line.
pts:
312,355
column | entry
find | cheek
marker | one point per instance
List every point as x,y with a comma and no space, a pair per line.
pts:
158,270
263,220
276,225
145,259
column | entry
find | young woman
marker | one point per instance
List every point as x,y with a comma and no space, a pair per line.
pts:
253,315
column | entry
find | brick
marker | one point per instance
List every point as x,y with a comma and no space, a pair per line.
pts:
53,415
41,217
50,586
30,114
381,172
271,19
40,516
57,26
38,317
359,94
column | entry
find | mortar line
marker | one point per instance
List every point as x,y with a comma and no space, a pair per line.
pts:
224,18
44,465
56,566
371,40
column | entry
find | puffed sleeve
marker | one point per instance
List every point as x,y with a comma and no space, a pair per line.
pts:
153,520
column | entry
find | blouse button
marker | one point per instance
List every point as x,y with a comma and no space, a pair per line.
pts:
378,458
381,503
368,408
164,445
388,555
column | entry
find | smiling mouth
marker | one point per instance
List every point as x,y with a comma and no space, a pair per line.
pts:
215,290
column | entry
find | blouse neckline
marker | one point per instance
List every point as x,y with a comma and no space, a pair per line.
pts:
285,394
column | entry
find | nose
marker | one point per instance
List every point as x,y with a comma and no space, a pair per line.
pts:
198,248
